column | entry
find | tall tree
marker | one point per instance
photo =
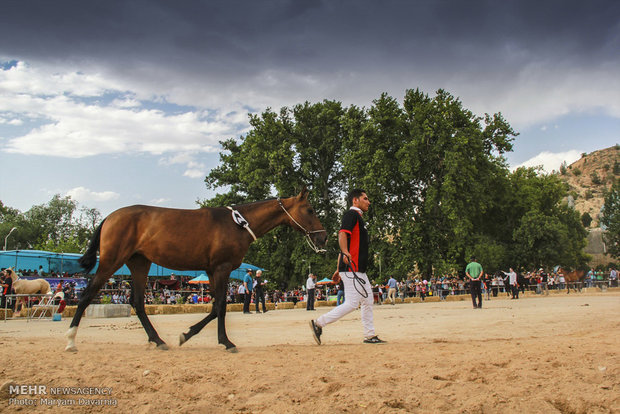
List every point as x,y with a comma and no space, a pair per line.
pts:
610,218
545,230
54,226
439,186
427,164
282,153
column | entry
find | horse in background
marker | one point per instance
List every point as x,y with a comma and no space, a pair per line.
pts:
210,239
27,287
574,277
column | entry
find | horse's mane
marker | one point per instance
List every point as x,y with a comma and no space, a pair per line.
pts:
251,203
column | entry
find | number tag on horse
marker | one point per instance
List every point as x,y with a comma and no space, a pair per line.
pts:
239,219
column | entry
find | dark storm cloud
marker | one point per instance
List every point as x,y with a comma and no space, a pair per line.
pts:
214,35
494,54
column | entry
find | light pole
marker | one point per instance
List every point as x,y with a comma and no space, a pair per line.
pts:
7,236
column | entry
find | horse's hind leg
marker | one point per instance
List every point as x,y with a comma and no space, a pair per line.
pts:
88,294
139,267
219,283
194,329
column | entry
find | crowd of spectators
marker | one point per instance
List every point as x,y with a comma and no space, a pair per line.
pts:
118,290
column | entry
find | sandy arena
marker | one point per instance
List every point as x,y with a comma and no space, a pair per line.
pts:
535,355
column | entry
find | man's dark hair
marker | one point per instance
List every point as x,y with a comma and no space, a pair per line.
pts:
355,193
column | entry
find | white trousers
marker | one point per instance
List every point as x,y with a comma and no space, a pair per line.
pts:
352,299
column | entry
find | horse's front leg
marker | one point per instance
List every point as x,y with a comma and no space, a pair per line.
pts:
222,338
221,286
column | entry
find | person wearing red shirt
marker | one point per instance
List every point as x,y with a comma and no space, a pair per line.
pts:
353,260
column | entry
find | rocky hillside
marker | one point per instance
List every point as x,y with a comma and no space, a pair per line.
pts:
589,177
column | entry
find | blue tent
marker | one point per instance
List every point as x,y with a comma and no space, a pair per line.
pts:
68,262
32,259
240,272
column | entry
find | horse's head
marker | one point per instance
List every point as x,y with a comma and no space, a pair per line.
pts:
302,217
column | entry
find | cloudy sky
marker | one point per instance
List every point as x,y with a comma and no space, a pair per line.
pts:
117,103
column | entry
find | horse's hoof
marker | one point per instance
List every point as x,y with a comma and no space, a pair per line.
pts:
70,349
162,347
232,350
182,339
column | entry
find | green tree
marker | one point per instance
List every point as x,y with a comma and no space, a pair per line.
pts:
610,218
544,230
439,186
586,219
426,165
283,152
54,226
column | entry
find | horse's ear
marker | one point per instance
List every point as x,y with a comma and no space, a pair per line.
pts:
304,193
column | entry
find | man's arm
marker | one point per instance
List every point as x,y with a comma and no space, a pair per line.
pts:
467,273
342,242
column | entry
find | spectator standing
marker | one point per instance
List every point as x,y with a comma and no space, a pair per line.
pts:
512,282
340,293
474,272
259,294
247,290
391,285
6,288
310,290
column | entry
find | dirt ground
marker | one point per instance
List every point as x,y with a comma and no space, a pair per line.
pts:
534,355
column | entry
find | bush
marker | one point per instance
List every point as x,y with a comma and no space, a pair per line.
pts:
595,178
563,168
589,194
586,219
576,172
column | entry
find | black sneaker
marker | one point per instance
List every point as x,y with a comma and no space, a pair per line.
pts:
316,332
374,340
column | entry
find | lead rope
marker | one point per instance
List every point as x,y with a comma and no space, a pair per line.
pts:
356,279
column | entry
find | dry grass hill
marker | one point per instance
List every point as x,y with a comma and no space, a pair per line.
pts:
589,177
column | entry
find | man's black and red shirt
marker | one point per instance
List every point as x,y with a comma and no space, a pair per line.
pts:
357,240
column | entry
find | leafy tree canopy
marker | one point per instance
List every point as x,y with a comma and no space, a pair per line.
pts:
439,187
59,225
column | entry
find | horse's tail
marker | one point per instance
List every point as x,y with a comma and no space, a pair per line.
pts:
89,259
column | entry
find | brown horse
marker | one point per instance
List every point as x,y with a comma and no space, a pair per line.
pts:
25,286
207,239
574,277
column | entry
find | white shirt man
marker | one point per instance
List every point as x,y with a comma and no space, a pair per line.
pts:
310,289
